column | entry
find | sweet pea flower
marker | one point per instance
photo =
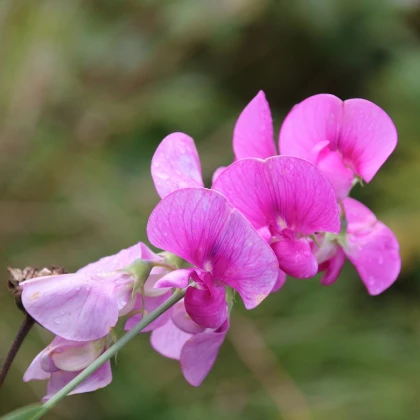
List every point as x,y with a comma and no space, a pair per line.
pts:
201,227
344,139
86,305
196,347
370,245
287,199
63,360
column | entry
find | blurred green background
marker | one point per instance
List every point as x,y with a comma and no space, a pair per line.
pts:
89,88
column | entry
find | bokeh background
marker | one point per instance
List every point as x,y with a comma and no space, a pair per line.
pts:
89,88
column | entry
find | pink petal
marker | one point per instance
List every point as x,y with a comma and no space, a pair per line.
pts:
362,132
207,307
281,192
120,260
201,227
168,340
253,135
332,267
35,370
177,278
151,303
199,354
176,164
216,174
368,136
99,379
281,280
77,307
295,257
372,248
183,321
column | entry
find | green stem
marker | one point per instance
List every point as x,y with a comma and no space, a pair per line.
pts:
176,297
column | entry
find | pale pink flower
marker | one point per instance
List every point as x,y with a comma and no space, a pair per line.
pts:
63,360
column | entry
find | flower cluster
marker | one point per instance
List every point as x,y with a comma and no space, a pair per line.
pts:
267,215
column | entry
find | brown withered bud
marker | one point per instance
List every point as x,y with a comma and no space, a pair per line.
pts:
17,275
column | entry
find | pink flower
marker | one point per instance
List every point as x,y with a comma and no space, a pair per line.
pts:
201,227
194,346
287,200
344,139
86,305
63,360
369,245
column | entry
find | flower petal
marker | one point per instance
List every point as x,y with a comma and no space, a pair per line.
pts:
99,379
216,173
177,278
372,248
78,307
35,371
280,192
150,304
295,257
183,321
200,226
168,340
207,307
361,131
281,280
332,267
176,164
199,354
120,260
253,135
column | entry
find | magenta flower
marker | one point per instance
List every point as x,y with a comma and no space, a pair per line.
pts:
194,346
200,226
369,245
63,360
86,305
287,200
344,139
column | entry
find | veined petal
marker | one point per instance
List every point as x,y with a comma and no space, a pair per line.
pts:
216,173
177,278
77,307
183,321
120,260
281,280
295,257
99,379
168,340
372,248
253,135
200,226
207,307
199,354
281,192
176,164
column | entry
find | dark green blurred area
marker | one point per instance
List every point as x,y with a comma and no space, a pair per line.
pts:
89,88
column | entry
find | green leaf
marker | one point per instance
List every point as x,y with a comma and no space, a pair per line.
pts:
30,412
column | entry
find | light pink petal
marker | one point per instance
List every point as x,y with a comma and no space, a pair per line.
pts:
176,164
99,379
201,227
253,135
332,267
207,307
367,138
295,257
120,260
177,278
314,120
77,307
150,303
371,247
216,174
281,192
281,280
35,370
199,354
168,340
183,321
